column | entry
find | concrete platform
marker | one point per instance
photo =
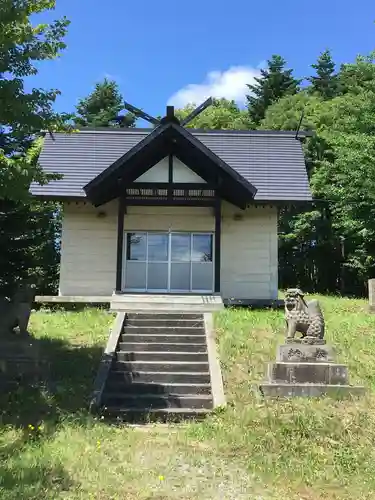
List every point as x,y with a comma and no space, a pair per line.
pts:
286,390
307,370
73,299
166,303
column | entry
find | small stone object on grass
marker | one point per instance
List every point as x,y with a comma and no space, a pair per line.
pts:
15,311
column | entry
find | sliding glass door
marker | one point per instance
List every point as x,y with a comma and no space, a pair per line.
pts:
168,262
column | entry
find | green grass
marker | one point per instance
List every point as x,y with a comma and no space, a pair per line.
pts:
253,449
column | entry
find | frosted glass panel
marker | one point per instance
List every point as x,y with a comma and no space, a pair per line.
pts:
135,276
136,246
180,247
180,276
202,276
169,262
157,276
158,247
202,248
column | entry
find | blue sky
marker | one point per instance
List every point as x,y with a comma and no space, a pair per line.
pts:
174,51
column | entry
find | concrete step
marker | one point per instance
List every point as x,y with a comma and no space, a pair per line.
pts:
161,356
166,316
319,373
167,330
163,338
152,303
165,307
156,401
165,366
162,377
135,387
285,390
176,323
161,347
139,415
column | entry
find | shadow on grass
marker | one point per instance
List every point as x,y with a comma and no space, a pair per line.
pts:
31,482
36,406
62,388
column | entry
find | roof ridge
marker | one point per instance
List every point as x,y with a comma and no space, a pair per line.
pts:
193,131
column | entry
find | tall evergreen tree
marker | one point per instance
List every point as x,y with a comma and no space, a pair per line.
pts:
274,83
101,108
325,82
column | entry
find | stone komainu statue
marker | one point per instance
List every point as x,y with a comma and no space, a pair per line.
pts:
15,312
301,316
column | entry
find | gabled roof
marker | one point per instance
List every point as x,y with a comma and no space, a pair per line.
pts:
170,139
272,161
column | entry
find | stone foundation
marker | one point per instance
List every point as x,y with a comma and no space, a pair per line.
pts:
303,368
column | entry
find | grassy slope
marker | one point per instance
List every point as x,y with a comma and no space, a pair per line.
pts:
302,449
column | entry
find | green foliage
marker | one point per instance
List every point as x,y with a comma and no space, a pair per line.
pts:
334,240
223,114
274,83
22,113
28,230
358,76
326,81
29,243
102,107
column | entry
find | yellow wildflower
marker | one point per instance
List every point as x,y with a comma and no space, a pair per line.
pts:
161,478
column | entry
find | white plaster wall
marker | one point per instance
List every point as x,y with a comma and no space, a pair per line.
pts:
249,262
88,249
248,253
159,173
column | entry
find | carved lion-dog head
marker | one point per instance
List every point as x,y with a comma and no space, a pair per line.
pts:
294,300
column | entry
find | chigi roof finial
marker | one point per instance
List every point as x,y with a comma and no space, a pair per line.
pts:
170,117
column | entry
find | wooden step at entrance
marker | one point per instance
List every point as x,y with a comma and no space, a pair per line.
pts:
157,364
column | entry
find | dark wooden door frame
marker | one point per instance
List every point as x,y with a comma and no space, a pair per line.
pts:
217,253
120,242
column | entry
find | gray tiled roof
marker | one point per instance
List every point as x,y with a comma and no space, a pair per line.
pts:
272,161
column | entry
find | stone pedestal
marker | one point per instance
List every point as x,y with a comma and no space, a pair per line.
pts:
307,368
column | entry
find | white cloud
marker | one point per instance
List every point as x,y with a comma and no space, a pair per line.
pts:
230,84
111,76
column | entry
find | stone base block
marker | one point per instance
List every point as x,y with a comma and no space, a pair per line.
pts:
285,390
305,340
305,353
318,373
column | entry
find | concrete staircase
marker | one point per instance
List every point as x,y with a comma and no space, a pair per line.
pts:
160,368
